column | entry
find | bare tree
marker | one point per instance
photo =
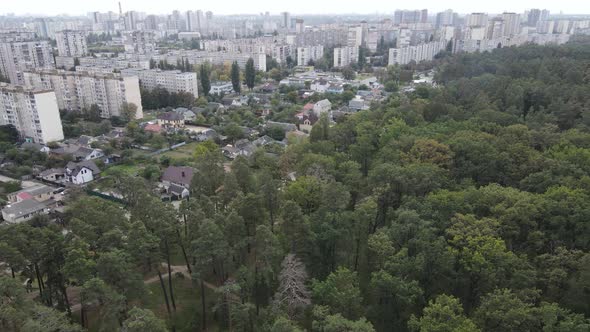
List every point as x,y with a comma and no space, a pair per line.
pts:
292,294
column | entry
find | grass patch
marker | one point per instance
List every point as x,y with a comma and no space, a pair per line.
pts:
188,303
183,152
129,170
188,306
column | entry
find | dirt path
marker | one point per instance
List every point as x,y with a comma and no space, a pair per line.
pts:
175,268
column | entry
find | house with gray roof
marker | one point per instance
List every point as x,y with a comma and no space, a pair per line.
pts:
82,172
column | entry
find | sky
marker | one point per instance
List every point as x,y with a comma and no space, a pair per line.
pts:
224,7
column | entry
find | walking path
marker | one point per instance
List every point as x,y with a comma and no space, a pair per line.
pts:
174,269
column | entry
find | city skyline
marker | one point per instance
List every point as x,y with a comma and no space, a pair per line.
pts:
304,7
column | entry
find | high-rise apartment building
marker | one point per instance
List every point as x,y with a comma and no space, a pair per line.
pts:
446,18
71,43
511,24
422,52
410,16
79,90
345,56
286,20
171,80
16,57
139,42
309,53
33,112
477,20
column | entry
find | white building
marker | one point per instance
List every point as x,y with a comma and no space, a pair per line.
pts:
345,56
218,88
79,90
17,57
477,20
422,52
171,80
305,54
511,24
139,42
71,43
33,112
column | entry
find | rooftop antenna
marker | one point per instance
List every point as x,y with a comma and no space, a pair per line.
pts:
120,10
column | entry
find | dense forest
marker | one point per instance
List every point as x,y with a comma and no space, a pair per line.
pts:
459,207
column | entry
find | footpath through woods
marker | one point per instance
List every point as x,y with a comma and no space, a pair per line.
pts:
74,292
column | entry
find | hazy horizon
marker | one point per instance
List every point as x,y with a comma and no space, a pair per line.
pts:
302,7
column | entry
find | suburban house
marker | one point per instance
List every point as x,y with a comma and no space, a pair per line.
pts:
153,128
219,88
29,202
286,127
307,121
179,175
78,152
175,183
188,115
53,175
322,106
358,104
35,147
39,192
82,172
171,119
242,147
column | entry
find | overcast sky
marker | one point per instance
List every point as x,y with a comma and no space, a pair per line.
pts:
222,7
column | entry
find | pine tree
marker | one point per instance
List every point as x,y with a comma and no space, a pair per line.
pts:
250,73
235,77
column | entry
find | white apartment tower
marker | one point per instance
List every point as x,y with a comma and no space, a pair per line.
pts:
171,80
345,56
139,42
17,57
418,53
305,54
511,24
477,20
78,90
71,43
33,112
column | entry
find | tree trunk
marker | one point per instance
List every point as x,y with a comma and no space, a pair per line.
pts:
203,306
188,266
12,272
170,275
164,291
67,301
39,282
82,315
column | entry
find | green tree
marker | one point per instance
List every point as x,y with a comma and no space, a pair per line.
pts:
204,73
443,314
143,320
235,77
250,73
340,292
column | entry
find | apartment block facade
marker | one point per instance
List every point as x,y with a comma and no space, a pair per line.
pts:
171,80
17,57
422,52
71,43
33,112
345,56
78,90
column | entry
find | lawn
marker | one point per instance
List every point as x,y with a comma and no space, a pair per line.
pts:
129,170
183,152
